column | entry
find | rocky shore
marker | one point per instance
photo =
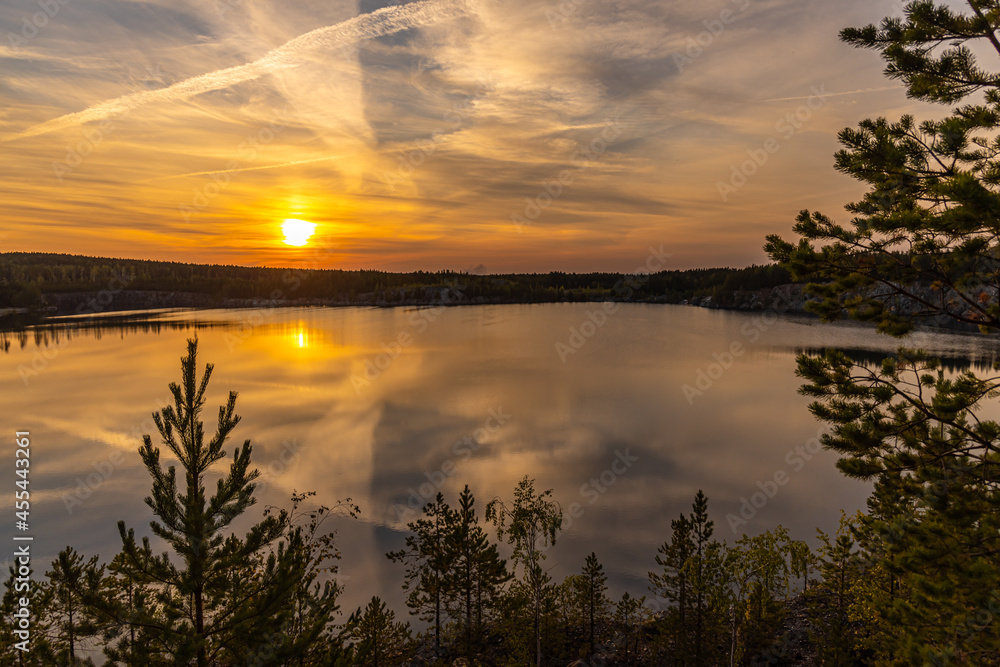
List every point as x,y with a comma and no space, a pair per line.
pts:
781,299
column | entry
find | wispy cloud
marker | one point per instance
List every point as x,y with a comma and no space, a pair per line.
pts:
378,23
292,163
412,133
859,91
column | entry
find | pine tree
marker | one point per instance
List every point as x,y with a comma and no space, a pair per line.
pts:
595,586
801,559
70,581
201,612
671,584
944,556
125,599
428,562
530,523
701,534
708,582
476,572
875,590
628,619
379,640
833,599
756,573
691,566
922,247
24,630
566,609
312,636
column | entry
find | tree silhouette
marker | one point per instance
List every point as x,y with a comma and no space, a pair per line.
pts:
71,580
671,583
428,562
476,573
922,247
529,523
380,640
211,599
595,586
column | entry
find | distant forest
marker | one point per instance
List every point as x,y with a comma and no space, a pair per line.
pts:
33,280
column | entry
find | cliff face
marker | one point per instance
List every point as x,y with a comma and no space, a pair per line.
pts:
792,299
780,299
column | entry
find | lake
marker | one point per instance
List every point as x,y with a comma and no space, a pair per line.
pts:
624,410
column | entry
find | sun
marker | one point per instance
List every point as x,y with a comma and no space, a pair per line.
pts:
297,232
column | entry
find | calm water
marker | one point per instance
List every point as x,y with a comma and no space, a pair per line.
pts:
386,405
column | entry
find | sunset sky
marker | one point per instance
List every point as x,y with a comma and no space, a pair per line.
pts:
428,135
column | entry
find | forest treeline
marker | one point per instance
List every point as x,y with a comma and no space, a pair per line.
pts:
477,579
30,279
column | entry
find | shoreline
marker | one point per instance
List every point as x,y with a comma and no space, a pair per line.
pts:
138,306
783,298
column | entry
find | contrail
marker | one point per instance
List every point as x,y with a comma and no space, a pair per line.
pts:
846,92
378,23
242,169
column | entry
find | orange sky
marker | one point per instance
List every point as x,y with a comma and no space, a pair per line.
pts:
521,135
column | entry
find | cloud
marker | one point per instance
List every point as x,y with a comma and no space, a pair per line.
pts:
412,148
859,91
242,169
380,22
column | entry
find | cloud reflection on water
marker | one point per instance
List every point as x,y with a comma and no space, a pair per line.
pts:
428,420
